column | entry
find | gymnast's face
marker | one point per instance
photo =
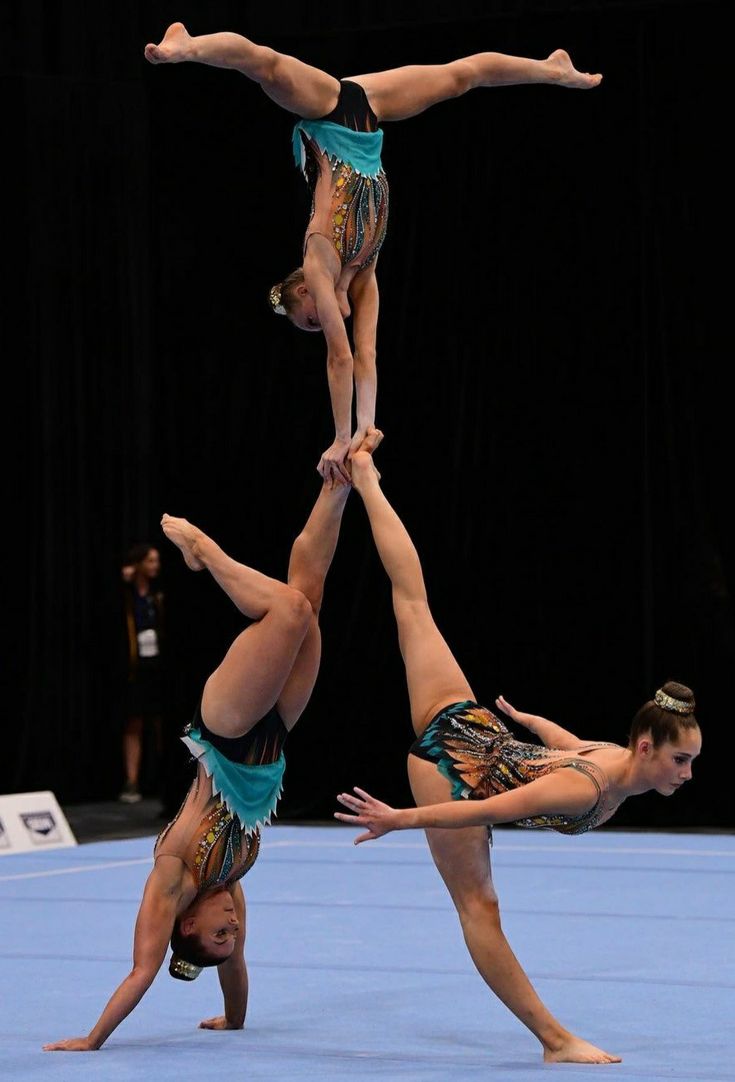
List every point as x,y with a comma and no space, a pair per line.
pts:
214,921
304,314
670,765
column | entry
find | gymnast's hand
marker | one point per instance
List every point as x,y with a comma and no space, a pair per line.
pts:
220,1022
71,1044
379,818
526,720
332,464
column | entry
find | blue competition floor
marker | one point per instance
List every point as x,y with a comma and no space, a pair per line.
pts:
358,969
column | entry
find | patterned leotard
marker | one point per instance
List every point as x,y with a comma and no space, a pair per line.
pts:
217,835
348,144
481,758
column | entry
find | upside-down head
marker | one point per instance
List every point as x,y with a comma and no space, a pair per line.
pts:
292,298
204,935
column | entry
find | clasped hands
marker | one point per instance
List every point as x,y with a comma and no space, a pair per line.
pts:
334,465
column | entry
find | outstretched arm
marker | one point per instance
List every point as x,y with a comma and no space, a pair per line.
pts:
365,303
339,364
548,732
153,927
233,976
565,792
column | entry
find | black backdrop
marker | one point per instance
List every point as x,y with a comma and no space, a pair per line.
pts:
550,376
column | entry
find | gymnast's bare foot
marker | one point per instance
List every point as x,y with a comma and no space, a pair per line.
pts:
575,1050
363,470
563,72
173,49
372,441
185,537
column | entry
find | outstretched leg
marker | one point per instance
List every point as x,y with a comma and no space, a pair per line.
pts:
434,678
462,858
293,85
407,91
311,558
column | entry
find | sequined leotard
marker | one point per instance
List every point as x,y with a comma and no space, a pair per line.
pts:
346,147
217,844
481,758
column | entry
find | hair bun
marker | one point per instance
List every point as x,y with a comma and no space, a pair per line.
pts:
676,698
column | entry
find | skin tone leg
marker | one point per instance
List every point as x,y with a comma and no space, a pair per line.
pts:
311,558
133,749
274,661
251,676
461,856
405,92
290,83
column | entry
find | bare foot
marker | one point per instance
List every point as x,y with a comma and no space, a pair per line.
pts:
173,49
185,537
363,470
564,73
575,1050
372,441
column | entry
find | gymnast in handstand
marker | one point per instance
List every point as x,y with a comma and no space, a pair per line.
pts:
337,142
193,900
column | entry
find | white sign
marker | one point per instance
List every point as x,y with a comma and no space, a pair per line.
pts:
30,821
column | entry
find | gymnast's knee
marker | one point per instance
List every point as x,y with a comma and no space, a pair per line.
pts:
295,608
479,906
462,75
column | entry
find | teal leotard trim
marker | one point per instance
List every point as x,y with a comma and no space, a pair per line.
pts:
359,149
251,792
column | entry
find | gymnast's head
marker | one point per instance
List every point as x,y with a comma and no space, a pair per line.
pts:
665,738
204,935
292,298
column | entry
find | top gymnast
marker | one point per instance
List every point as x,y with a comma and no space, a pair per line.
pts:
337,143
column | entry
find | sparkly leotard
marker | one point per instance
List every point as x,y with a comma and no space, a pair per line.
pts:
348,144
481,758
216,834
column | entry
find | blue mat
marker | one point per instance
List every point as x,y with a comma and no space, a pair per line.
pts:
358,969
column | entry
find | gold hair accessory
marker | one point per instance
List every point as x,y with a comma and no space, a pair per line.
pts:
275,298
185,971
677,706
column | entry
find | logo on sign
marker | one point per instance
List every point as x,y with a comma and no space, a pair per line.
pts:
4,839
41,826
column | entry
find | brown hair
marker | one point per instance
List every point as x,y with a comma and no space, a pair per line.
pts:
287,289
190,949
664,723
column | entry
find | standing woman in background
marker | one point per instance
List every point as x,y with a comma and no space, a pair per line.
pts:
144,688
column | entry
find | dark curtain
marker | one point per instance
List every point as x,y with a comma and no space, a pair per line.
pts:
551,377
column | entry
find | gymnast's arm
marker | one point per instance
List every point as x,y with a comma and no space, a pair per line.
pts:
233,976
153,927
564,792
548,732
320,281
365,303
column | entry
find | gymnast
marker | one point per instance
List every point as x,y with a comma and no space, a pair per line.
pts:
337,143
468,772
193,898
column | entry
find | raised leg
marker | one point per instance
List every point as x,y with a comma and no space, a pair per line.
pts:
407,91
462,858
251,676
311,558
293,85
434,678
